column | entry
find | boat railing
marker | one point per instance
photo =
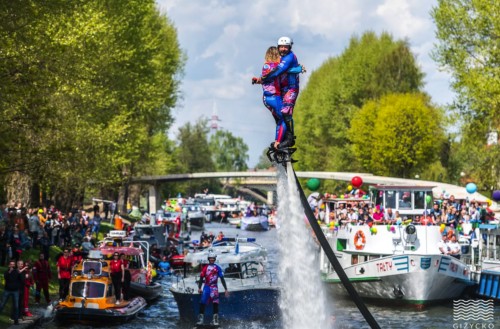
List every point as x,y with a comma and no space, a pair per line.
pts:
242,279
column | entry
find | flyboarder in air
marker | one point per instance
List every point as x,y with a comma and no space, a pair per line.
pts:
280,82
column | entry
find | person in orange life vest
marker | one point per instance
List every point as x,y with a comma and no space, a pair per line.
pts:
117,275
42,275
128,278
64,265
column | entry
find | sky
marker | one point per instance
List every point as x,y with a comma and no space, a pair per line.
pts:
225,42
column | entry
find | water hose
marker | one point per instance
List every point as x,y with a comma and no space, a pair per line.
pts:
331,255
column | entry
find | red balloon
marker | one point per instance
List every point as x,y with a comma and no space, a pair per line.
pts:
357,181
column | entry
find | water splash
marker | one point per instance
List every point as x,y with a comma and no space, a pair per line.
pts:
303,301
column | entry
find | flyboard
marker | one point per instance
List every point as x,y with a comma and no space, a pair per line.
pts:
281,156
284,157
206,326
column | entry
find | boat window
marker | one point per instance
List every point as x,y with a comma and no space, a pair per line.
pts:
420,199
96,266
110,291
354,259
405,200
77,288
87,289
390,199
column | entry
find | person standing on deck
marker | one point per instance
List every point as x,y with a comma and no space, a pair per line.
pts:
211,273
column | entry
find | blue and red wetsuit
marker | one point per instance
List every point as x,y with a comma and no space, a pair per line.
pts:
288,80
272,100
211,273
278,97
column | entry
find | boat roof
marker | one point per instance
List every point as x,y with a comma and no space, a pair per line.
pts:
404,187
108,250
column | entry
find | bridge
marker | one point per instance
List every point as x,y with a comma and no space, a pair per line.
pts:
267,179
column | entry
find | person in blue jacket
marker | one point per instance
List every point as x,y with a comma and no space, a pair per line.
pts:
280,82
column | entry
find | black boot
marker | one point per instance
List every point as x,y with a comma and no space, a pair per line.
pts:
287,142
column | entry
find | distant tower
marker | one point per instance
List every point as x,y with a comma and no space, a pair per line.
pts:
215,119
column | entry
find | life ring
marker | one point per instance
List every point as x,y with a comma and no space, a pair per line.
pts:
359,240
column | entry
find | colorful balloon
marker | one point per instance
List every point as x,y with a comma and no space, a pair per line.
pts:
471,188
496,195
428,198
373,230
349,188
313,184
356,181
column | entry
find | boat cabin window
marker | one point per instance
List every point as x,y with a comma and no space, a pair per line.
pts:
354,259
233,271
419,197
390,199
96,266
88,289
405,200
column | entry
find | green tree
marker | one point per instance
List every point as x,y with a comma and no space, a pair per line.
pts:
194,155
398,135
90,86
467,31
468,48
369,68
229,153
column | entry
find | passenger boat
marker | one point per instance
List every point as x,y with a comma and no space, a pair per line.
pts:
253,292
399,264
91,296
137,253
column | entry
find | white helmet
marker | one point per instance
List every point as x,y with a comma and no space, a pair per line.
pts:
212,255
285,41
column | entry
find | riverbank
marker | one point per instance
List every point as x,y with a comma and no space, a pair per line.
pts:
32,255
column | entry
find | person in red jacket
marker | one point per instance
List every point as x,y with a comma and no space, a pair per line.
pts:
117,275
28,283
64,265
42,276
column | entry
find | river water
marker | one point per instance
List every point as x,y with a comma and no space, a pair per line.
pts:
342,313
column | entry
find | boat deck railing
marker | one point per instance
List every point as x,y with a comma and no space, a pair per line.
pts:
236,279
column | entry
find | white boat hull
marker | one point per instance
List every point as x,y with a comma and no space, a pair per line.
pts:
392,266
411,282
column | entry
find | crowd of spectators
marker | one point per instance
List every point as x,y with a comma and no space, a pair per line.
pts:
39,228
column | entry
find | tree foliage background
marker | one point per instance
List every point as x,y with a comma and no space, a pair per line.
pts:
468,48
369,68
86,93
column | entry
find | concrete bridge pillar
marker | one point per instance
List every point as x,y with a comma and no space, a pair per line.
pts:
153,199
270,197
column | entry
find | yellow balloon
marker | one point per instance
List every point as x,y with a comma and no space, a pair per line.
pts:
349,188
488,201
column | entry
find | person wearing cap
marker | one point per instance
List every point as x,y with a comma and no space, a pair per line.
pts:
289,84
117,275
